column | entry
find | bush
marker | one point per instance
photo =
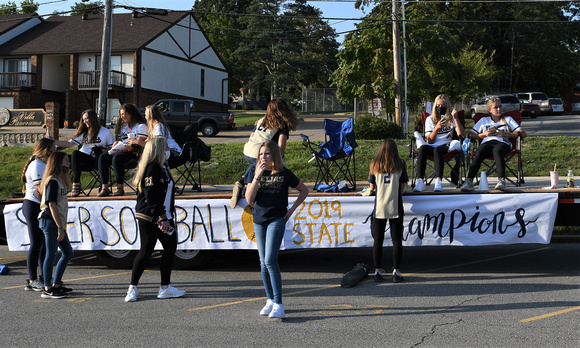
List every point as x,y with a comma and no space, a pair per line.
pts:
376,128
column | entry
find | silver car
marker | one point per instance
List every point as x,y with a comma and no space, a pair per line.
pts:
539,98
508,103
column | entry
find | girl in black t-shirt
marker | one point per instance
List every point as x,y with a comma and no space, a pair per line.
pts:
268,191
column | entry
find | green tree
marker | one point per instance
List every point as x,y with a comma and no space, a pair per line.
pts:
436,63
285,48
95,7
26,6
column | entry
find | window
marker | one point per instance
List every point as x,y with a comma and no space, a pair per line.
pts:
202,86
178,106
16,65
115,63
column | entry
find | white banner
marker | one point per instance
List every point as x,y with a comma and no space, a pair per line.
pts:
320,222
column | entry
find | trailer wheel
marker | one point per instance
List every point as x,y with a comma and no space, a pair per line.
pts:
209,129
116,258
191,259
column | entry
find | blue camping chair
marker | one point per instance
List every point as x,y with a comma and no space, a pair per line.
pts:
335,158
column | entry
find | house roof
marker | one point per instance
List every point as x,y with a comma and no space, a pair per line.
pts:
72,34
9,22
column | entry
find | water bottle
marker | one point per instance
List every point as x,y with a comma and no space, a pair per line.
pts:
570,179
465,146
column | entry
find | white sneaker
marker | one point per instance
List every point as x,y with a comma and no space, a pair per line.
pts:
170,292
438,186
267,308
468,185
500,184
277,311
420,186
132,294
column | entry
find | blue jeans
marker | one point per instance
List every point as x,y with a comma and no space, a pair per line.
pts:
50,233
251,168
269,237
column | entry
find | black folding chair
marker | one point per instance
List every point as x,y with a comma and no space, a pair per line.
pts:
335,158
194,150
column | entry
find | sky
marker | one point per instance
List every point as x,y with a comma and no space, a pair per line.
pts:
331,9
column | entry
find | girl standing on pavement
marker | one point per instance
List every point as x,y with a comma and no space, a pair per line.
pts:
268,191
31,178
276,125
388,175
155,212
53,218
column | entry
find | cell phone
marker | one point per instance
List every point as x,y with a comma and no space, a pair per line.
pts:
444,117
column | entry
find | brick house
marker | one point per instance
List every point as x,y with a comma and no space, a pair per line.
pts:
152,57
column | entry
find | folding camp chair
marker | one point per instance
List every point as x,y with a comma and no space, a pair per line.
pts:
93,174
194,150
516,171
335,158
457,169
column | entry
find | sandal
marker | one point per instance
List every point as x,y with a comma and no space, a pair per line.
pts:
76,189
119,192
104,193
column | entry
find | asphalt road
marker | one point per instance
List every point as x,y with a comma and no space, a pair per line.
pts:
494,296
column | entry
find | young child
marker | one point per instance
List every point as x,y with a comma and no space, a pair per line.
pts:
388,175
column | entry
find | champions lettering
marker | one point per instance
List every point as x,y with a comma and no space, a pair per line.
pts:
458,220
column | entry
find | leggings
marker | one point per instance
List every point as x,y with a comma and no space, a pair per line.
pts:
379,226
118,162
37,251
149,233
81,162
496,148
437,153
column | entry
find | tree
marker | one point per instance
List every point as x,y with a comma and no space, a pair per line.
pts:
26,6
95,7
435,62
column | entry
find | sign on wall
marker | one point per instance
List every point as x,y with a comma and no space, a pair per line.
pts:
27,117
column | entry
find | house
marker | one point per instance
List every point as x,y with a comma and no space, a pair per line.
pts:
152,57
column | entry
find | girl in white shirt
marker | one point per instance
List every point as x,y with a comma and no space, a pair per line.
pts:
91,138
495,132
439,128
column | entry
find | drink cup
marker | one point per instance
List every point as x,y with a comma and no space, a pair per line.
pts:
131,135
554,177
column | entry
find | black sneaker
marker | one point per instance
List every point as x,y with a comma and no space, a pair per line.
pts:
378,277
53,293
397,277
64,289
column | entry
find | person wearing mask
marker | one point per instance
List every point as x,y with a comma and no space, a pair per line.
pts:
439,129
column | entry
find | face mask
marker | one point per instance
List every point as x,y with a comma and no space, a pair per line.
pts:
441,110
65,169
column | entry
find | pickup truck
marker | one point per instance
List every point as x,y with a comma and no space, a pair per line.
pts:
181,112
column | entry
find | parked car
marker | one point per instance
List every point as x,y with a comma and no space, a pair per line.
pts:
537,98
557,106
182,112
530,109
508,103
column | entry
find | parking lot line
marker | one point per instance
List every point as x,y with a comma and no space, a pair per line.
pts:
544,316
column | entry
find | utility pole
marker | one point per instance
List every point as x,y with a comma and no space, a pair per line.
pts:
105,61
397,61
